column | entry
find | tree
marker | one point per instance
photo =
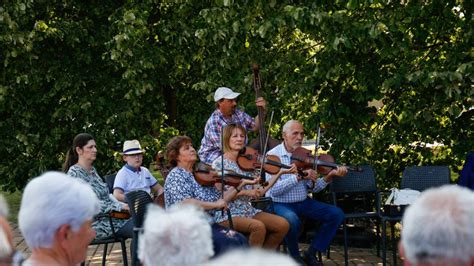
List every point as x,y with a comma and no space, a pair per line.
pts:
147,70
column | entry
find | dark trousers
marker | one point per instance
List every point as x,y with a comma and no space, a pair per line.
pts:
330,216
225,239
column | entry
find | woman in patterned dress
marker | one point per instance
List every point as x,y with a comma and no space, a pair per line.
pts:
181,187
78,164
266,230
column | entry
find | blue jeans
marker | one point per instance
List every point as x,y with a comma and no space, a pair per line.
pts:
330,216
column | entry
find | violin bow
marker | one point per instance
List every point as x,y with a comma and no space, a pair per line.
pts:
316,148
316,152
229,216
265,147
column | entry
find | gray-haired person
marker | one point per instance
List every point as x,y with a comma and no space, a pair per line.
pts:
181,235
55,219
438,228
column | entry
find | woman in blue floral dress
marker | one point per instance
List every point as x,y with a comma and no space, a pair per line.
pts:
181,187
79,160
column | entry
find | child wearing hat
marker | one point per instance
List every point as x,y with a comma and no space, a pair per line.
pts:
133,176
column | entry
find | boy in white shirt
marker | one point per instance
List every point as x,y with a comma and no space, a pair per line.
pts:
133,176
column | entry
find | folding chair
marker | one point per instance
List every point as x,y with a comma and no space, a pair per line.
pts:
418,178
357,187
137,201
109,240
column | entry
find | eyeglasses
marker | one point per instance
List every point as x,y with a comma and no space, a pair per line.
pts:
138,155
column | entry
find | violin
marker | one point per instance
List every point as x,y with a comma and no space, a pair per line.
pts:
249,159
207,178
303,159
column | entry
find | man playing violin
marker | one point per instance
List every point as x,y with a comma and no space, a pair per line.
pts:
290,199
226,113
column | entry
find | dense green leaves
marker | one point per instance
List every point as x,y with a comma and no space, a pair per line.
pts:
147,70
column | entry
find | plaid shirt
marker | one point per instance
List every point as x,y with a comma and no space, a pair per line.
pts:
288,189
211,142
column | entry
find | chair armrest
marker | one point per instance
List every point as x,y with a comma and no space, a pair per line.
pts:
109,216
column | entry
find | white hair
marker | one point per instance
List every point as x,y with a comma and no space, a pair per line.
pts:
253,257
437,228
181,234
288,124
5,247
52,200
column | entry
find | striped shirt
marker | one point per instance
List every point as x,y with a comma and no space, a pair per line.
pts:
211,142
288,189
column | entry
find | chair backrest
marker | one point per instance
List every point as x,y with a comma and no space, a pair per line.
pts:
138,201
355,182
424,177
110,179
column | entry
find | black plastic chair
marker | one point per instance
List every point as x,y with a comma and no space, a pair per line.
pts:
418,178
138,202
264,204
109,240
110,180
359,187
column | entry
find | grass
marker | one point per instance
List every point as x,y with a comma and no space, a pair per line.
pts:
13,200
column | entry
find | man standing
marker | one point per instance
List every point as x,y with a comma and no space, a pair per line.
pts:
226,113
290,199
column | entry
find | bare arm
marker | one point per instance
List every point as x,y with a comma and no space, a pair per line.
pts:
157,189
275,178
119,195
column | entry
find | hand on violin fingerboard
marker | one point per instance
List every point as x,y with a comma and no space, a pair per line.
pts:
310,175
339,171
245,182
292,170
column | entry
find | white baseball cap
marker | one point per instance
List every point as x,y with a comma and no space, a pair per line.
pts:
224,93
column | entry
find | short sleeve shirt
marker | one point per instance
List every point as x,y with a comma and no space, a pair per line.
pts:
128,179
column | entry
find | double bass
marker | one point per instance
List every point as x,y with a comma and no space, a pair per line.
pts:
264,142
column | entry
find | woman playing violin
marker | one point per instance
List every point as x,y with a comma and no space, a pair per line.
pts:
181,187
266,230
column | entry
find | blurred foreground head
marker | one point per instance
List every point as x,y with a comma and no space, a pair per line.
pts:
438,228
55,217
253,257
181,234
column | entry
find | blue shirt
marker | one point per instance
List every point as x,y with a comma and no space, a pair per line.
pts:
288,189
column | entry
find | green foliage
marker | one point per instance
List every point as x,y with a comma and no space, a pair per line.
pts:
147,70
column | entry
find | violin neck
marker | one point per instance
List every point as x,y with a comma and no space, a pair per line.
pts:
270,162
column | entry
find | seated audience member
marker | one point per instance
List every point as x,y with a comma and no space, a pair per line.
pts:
437,228
8,256
55,219
79,164
179,236
253,257
133,176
